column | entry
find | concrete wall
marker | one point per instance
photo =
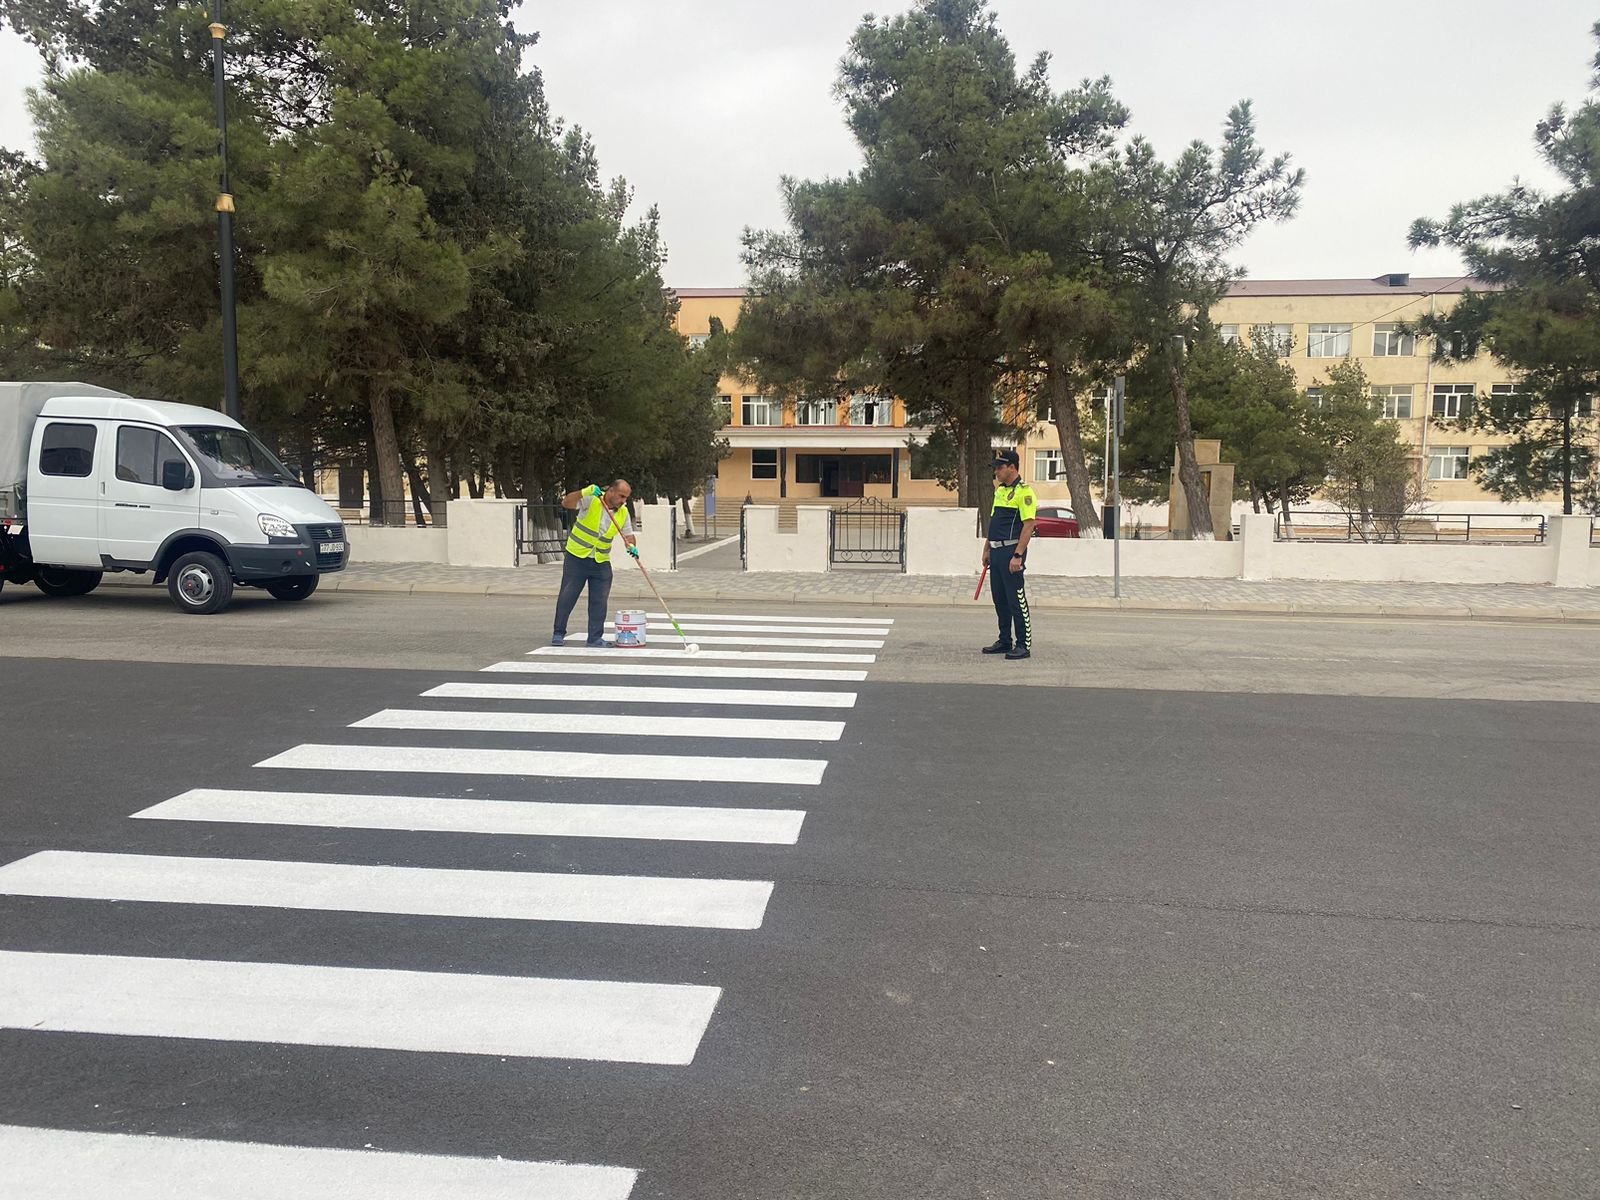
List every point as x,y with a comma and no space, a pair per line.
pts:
378,544
804,550
942,541
655,537
483,533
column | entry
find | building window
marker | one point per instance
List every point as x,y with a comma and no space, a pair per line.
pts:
1585,407
808,468
1046,465
1448,462
67,450
1393,400
725,409
1229,334
763,464
697,340
877,468
866,409
816,412
1328,341
760,410
1390,341
1453,399
1279,337
1507,400
1314,398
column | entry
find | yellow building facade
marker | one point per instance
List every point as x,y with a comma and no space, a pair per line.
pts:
857,447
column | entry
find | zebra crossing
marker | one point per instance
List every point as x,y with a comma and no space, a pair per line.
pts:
543,715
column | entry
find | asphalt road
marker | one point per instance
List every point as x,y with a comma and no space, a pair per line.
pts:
1044,940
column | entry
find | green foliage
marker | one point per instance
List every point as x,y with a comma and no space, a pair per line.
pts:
1541,318
896,278
429,262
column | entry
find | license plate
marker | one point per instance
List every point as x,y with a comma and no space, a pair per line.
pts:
331,548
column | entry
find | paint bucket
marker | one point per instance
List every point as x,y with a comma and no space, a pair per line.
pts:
632,629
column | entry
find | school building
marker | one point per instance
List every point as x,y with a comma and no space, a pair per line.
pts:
783,452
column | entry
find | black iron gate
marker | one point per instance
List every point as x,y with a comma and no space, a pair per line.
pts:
868,533
541,531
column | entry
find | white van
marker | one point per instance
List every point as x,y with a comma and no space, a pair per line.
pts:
94,481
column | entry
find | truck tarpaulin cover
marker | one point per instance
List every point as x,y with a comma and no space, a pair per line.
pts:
20,404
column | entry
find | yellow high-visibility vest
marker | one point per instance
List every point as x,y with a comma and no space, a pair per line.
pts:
592,532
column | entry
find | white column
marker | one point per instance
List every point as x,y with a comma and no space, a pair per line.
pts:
1570,537
483,533
654,527
1258,532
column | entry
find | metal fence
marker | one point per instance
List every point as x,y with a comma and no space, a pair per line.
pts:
396,514
867,533
541,531
1482,529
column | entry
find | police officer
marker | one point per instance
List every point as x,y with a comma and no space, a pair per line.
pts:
1005,553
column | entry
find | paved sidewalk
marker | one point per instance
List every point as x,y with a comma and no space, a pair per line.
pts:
888,588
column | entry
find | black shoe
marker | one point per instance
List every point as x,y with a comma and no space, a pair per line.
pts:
1019,652
998,648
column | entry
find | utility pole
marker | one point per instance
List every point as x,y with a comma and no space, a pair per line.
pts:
230,332
1114,428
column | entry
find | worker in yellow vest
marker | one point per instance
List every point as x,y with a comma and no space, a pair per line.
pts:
587,560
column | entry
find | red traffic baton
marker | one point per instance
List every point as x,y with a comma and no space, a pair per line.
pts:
984,575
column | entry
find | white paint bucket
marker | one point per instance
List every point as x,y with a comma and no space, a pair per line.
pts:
632,629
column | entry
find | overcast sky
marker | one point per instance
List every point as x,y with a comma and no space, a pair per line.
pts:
1395,109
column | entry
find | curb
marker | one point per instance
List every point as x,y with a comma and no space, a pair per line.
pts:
1546,614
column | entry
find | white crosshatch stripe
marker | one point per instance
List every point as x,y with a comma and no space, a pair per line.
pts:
415,891
681,670
637,725
514,1016
444,760
796,617
733,627
678,654
60,1164
606,694
336,810
799,643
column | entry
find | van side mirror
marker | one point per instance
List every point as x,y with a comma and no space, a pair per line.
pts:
176,476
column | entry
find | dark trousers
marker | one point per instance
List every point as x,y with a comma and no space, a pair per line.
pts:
1010,600
575,572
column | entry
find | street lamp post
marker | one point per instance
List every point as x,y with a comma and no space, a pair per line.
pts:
1114,430
230,332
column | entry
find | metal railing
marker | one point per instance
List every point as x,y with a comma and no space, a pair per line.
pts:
1479,529
395,514
541,531
867,533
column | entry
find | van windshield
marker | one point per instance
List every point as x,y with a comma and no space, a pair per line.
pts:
235,457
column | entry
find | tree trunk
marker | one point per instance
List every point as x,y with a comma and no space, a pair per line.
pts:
1255,499
374,483
421,490
1194,488
1069,430
1566,460
977,489
386,449
441,482
308,464
688,519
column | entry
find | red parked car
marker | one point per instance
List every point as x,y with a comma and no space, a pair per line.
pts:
1055,522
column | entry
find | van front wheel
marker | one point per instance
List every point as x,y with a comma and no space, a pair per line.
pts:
58,581
199,583
297,588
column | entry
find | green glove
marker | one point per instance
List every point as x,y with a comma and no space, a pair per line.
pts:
633,550
596,490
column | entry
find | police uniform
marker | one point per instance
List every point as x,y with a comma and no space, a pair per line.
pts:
1013,504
